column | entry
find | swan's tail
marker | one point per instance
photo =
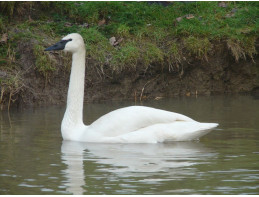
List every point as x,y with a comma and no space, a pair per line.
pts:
195,130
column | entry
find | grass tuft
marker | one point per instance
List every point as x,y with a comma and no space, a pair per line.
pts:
241,49
199,47
44,62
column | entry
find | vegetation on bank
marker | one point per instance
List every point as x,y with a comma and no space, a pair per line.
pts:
120,36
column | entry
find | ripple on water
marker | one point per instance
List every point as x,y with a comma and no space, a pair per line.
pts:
30,180
52,177
9,175
28,185
47,190
233,171
42,174
54,164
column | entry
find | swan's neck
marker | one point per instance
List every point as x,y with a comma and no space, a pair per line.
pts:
75,98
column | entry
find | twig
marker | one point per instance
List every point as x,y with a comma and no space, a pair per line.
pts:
142,91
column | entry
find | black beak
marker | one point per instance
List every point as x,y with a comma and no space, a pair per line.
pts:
58,46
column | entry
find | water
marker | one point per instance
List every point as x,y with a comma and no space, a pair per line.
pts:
34,160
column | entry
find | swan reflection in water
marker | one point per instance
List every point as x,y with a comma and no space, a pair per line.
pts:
124,160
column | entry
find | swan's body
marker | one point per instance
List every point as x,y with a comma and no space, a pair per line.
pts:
135,124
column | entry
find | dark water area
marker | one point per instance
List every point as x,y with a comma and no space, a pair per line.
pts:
35,160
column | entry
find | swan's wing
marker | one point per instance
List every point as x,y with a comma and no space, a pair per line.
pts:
128,119
176,131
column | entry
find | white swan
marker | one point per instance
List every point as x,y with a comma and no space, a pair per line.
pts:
135,124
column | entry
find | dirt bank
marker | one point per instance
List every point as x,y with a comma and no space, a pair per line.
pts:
220,73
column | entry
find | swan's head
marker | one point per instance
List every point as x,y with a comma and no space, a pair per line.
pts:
71,43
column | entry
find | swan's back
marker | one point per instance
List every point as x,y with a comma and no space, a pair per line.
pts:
129,119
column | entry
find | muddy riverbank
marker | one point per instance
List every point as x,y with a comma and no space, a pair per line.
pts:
219,74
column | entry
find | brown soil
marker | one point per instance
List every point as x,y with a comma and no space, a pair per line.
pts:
220,74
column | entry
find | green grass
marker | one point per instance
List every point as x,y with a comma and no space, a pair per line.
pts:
138,22
150,33
44,62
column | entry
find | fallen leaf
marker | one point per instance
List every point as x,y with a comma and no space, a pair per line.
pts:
85,25
158,98
179,19
189,16
4,38
230,15
112,40
101,22
67,24
79,4
234,10
222,4
115,42
120,40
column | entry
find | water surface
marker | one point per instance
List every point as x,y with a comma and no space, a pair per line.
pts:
35,160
